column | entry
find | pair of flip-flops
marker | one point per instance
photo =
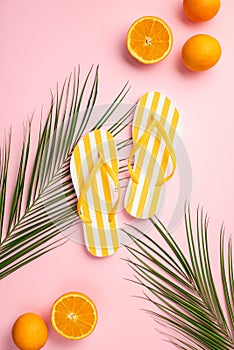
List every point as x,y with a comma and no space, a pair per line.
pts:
94,171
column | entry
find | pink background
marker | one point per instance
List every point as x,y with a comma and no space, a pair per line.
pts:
41,42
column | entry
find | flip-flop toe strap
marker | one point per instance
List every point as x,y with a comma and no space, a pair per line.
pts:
100,163
142,142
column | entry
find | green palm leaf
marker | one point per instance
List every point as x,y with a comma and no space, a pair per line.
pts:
182,289
47,206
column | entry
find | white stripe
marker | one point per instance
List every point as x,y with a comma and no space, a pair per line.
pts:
178,133
170,114
127,193
145,115
155,175
100,188
108,159
108,230
109,241
98,178
89,195
143,174
160,105
95,237
83,160
73,175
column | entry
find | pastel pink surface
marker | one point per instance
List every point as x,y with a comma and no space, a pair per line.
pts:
41,42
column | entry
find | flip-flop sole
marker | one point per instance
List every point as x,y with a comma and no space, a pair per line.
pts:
142,199
101,236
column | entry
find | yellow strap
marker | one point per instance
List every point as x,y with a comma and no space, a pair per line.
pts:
100,163
142,143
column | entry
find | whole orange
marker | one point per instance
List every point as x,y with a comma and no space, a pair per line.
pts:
29,332
201,10
201,52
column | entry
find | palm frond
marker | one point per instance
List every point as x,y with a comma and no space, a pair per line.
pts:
47,206
182,289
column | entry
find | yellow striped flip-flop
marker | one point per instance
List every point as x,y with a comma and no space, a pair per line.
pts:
94,172
155,124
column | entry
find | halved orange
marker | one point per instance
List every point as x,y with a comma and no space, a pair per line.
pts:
74,315
149,39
